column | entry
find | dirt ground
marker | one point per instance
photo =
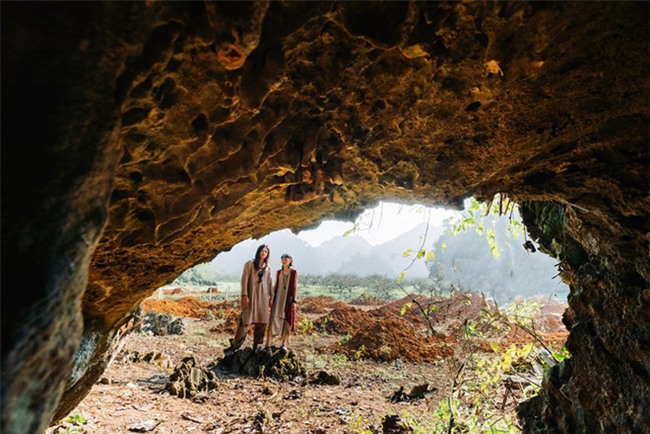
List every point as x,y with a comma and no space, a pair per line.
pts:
373,349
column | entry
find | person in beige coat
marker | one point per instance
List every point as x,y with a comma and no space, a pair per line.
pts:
256,299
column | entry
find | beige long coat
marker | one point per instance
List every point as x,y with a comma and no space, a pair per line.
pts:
259,294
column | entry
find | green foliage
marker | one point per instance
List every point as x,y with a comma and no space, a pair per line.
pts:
561,354
74,424
305,327
475,217
493,260
522,311
345,339
76,419
487,387
421,425
348,287
359,353
358,425
338,360
201,274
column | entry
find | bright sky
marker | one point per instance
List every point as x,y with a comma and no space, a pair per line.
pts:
380,224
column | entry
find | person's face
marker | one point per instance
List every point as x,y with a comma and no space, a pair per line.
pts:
264,253
286,260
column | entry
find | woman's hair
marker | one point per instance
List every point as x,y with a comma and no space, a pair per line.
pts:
256,261
286,255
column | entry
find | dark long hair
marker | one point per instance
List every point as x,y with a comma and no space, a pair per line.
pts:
256,261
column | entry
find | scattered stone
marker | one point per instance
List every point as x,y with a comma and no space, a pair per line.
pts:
176,327
199,398
322,378
156,358
105,380
162,324
188,379
260,420
144,426
188,415
418,392
294,394
280,365
392,424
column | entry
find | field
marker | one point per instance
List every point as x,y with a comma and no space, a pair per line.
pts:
397,371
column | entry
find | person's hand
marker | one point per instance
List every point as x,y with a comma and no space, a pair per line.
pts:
245,303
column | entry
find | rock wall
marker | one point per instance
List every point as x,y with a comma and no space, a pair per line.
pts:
140,139
609,320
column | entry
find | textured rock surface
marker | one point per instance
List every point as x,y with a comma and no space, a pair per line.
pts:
189,378
280,364
140,139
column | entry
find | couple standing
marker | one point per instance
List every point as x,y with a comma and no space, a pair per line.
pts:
265,302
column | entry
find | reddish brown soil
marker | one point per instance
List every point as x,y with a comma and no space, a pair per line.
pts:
321,304
134,394
367,300
188,306
344,321
391,339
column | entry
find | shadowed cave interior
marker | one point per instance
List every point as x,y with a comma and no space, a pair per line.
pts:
140,139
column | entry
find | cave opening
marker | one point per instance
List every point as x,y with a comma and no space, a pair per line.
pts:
487,252
451,300
143,138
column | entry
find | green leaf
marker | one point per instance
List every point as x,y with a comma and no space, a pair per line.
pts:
405,307
407,253
431,256
421,253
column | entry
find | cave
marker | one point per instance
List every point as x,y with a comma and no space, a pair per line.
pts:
142,138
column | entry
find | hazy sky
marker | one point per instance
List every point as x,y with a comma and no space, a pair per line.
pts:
380,224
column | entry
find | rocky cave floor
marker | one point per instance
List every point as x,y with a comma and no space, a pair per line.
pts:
371,361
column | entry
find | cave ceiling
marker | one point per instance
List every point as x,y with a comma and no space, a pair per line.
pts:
147,137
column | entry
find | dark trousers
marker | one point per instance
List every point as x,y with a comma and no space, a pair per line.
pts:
240,334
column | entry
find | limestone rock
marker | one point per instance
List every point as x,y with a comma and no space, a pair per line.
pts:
189,379
323,378
142,138
281,365
162,324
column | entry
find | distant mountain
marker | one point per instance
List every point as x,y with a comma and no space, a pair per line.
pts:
393,251
463,260
367,265
466,262
335,252
231,263
351,254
